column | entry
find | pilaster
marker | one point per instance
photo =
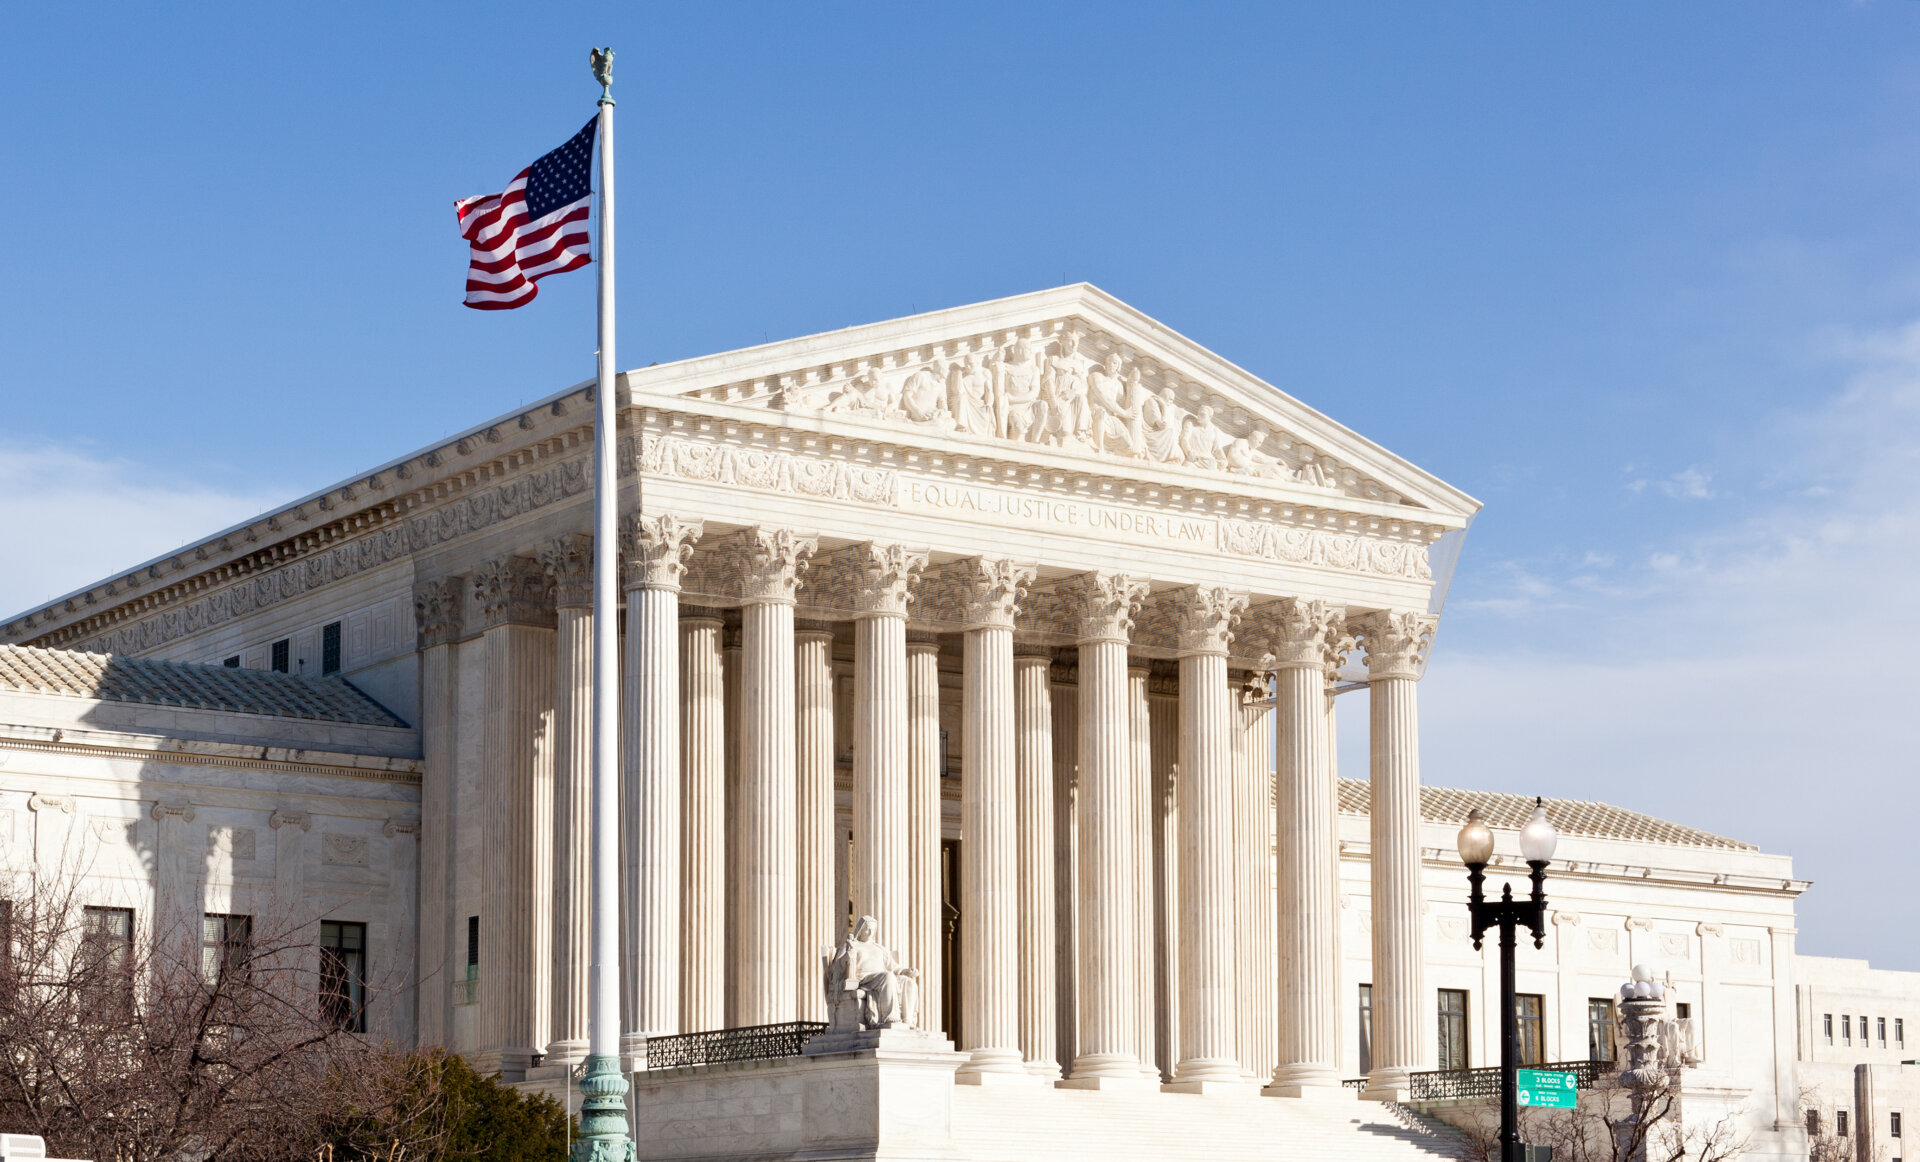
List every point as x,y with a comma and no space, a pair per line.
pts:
569,564
437,604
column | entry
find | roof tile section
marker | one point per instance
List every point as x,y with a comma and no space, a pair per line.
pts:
117,678
1570,816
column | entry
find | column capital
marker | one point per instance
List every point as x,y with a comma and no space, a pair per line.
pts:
812,630
991,588
1303,634
436,611
655,548
1107,603
301,819
569,561
1205,617
1397,642
513,590
882,573
768,562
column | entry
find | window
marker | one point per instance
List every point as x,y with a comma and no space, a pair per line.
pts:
1846,1029
330,648
106,945
1840,1122
1366,1029
1600,1029
1893,1124
6,945
232,663
1813,1123
469,983
1829,1021
1899,1033
226,944
1453,1029
343,974
1529,1009
1880,1030
281,649
1682,1010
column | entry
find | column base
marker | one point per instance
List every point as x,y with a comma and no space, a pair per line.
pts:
998,1077
1312,1091
510,1064
1214,1088
1000,1062
1388,1085
564,1053
1044,1070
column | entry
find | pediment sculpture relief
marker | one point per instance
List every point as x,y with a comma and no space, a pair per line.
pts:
1049,391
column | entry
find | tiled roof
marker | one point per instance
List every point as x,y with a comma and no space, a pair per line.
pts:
117,678
1570,816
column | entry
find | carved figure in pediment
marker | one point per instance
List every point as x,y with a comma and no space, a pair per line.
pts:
1319,471
864,393
1160,422
1069,419
971,396
1022,411
1202,440
1250,456
1116,408
923,395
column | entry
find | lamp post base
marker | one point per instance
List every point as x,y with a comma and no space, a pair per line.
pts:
603,1115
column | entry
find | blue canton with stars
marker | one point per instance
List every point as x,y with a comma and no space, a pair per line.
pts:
563,176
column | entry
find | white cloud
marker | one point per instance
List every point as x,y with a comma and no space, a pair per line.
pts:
72,516
1758,678
1688,484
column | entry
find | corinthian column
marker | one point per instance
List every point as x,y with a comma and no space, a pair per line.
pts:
1305,638
1033,822
436,613
924,822
1110,983
569,563
880,885
1141,727
769,564
1396,645
517,782
813,695
989,844
1259,964
703,828
655,549
1208,994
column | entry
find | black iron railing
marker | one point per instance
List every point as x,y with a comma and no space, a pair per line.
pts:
748,1043
1447,1084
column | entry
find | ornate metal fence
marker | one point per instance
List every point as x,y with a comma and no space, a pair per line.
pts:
1447,1084
748,1043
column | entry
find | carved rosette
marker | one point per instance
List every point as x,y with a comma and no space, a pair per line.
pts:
1303,634
991,591
1397,643
513,591
882,575
655,549
1206,617
436,611
1106,604
569,561
768,563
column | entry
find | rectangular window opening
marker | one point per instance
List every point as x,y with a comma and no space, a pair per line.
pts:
1600,1029
1828,1020
1453,1029
1840,1122
282,651
1893,1124
226,947
1813,1123
1530,1010
467,988
106,964
1880,1030
330,648
1899,1033
232,663
1846,1029
343,975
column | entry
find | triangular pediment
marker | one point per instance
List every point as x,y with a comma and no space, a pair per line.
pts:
1067,372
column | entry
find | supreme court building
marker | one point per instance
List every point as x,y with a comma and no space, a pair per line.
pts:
1019,626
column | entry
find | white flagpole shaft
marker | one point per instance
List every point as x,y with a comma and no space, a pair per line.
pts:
603,1035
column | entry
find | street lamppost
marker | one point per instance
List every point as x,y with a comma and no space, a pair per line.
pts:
1537,840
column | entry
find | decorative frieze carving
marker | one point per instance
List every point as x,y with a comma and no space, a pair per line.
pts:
568,561
1104,604
1321,548
1301,633
770,471
513,591
655,549
1397,643
1207,615
436,611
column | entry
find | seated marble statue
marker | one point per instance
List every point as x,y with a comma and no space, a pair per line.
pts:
866,987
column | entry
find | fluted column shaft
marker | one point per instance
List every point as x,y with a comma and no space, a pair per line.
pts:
1396,652
924,917
880,879
733,680
1304,821
703,838
1066,865
437,606
569,561
1108,920
819,927
1033,796
1209,996
1260,989
1140,726
1164,713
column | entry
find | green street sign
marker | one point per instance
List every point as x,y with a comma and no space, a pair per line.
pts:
1540,1087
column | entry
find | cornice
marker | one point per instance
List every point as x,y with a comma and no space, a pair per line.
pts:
403,771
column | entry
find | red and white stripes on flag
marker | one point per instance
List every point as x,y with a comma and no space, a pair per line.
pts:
536,227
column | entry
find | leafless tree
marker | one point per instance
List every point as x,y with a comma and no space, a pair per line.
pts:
1615,1123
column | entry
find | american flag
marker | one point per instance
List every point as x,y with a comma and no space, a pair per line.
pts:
537,227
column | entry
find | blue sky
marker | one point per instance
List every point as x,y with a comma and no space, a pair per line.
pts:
1644,278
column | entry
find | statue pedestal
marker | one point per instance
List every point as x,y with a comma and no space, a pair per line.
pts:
883,1095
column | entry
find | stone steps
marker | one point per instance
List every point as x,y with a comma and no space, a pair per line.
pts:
1041,1124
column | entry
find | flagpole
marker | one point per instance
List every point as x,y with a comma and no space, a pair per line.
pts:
603,1112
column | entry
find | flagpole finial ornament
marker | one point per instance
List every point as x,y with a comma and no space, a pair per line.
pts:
602,61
